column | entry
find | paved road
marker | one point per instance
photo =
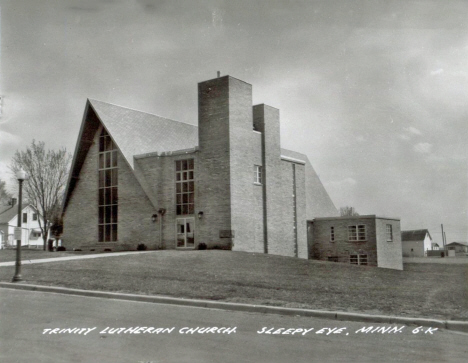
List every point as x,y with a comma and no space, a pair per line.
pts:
25,315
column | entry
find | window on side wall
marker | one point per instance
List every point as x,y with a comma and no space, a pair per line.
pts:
389,233
357,233
257,174
358,259
25,217
34,217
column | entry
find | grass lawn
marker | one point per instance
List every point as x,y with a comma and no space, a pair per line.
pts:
35,254
421,290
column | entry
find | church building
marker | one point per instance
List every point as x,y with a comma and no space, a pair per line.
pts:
138,178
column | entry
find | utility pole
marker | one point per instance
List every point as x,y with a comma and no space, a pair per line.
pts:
443,239
445,243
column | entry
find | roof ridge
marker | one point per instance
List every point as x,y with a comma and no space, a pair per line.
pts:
147,113
23,205
7,209
413,230
10,213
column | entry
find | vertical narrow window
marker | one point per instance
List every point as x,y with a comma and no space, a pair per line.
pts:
389,233
257,174
25,217
185,187
108,191
332,234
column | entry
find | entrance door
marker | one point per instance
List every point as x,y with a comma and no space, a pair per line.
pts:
185,232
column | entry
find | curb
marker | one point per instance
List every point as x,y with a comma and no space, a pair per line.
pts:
461,326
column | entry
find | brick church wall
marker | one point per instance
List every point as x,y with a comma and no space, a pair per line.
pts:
379,250
323,247
134,211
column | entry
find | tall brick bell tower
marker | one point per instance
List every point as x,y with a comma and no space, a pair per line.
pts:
267,121
226,159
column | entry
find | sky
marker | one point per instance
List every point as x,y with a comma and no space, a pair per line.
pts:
374,92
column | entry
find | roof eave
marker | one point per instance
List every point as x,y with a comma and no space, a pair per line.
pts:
74,166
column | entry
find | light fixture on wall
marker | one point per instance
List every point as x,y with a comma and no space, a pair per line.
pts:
154,217
200,215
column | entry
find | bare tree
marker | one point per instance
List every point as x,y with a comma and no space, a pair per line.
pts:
348,212
5,196
48,172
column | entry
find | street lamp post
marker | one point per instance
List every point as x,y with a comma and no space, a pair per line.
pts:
21,176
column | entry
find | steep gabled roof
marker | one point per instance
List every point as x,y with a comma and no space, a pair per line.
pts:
134,133
318,202
414,235
137,132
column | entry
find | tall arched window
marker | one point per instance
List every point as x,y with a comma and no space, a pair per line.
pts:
108,192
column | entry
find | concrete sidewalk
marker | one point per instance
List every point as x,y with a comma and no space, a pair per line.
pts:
461,326
70,258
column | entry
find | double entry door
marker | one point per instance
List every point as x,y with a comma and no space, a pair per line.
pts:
185,232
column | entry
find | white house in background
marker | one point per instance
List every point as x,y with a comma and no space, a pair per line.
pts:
458,248
417,242
31,231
